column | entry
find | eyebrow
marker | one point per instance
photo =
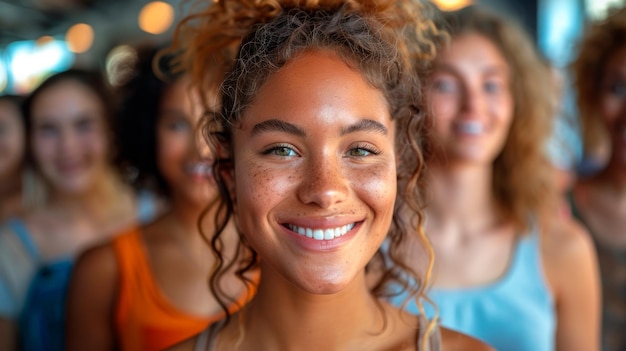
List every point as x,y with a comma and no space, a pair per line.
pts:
365,125
275,125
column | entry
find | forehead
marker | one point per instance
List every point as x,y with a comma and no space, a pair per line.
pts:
320,83
473,51
66,99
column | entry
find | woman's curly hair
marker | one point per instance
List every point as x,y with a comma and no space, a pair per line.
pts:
522,180
391,42
602,39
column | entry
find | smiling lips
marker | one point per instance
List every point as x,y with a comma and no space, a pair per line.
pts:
470,127
321,234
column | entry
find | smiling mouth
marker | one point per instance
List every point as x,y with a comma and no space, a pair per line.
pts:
321,234
470,127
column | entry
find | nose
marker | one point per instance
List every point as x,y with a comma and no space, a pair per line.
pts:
471,99
68,141
324,184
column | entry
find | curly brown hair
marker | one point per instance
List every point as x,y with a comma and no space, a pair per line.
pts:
387,41
522,182
601,41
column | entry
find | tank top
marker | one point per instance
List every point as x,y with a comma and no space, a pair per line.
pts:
42,319
514,313
145,320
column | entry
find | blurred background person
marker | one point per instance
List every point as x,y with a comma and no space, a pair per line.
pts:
69,132
12,156
599,201
148,289
507,270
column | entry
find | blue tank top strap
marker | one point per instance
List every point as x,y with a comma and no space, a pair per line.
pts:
17,226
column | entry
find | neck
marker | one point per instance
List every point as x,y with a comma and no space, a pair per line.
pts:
187,214
282,317
462,197
95,201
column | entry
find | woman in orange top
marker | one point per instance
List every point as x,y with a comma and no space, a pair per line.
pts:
148,290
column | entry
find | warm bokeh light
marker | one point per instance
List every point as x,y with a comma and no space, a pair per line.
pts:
156,17
79,38
119,64
452,5
44,40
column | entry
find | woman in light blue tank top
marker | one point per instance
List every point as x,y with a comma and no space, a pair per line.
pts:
505,271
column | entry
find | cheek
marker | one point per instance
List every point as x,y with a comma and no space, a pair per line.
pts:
259,188
610,107
377,187
170,148
44,150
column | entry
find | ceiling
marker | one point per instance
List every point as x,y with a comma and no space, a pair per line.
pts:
31,19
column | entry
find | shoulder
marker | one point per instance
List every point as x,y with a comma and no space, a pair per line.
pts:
567,247
454,341
566,240
99,263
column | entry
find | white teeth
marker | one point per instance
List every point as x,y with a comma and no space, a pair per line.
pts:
318,234
203,169
321,234
470,127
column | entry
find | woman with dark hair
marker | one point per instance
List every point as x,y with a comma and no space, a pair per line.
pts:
69,132
146,290
321,106
509,271
599,201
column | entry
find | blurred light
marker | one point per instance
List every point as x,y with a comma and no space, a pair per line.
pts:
44,40
29,63
156,17
120,64
79,38
598,9
4,79
452,5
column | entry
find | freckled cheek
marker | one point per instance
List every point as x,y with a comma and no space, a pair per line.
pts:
377,187
260,188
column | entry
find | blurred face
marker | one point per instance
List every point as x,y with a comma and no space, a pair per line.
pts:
182,157
471,100
315,172
11,141
69,137
613,102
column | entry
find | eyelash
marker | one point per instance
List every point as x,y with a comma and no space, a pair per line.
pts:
367,148
274,148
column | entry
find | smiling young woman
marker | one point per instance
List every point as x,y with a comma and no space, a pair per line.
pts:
320,107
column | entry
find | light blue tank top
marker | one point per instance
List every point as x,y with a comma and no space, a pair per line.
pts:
515,313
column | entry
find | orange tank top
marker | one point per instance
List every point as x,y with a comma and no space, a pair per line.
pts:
144,318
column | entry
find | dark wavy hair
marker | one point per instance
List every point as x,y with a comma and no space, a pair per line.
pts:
138,116
522,181
389,42
602,39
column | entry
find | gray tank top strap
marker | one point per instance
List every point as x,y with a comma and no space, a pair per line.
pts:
207,339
